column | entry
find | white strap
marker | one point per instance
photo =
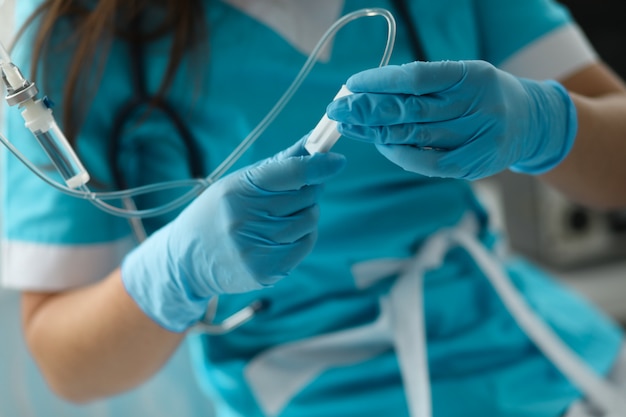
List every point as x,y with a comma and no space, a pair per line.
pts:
278,374
401,325
409,328
407,317
600,392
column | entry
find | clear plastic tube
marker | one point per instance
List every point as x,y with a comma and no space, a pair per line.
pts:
62,156
304,71
199,184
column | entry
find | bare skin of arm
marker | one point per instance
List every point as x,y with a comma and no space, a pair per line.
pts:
594,173
94,341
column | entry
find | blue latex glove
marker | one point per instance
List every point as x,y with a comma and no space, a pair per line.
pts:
244,233
458,119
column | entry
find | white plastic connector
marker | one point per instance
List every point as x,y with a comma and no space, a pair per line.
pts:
13,75
37,117
325,134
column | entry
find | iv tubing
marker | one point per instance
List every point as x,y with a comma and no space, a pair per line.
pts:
306,68
197,185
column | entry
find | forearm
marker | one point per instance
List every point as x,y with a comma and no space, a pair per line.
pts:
594,172
94,341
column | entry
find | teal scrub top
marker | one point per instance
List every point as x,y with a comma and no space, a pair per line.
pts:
481,363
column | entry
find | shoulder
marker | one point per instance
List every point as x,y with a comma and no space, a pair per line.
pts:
536,39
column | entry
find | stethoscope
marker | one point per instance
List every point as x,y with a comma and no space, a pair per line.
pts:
142,101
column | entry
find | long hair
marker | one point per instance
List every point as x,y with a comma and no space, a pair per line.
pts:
94,25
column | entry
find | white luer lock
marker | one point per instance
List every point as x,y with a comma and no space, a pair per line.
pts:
325,134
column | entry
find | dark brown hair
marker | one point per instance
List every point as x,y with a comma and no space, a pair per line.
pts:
94,26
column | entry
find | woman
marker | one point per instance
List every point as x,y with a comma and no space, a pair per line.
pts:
101,317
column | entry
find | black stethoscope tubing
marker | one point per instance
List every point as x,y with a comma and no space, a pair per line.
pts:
143,100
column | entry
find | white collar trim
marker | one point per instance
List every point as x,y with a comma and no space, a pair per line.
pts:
300,22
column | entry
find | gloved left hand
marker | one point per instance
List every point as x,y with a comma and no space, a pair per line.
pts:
460,119
245,232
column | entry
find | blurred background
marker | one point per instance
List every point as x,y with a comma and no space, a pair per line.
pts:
585,248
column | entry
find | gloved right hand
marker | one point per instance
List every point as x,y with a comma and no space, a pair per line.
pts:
458,119
245,232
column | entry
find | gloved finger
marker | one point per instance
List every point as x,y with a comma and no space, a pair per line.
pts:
283,230
376,109
274,262
293,173
442,135
297,149
420,161
430,163
278,204
474,161
415,78
443,164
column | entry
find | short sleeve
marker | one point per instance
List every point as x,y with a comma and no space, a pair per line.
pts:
52,241
532,38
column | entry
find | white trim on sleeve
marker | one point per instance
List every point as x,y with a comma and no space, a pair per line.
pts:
40,267
553,56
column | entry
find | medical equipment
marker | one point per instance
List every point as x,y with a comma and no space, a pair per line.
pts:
39,120
325,134
460,239
195,185
235,320
143,103
67,165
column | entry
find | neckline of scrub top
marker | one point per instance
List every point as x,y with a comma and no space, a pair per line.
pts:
301,23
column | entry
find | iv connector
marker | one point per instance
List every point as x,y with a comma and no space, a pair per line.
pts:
19,89
12,77
325,134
